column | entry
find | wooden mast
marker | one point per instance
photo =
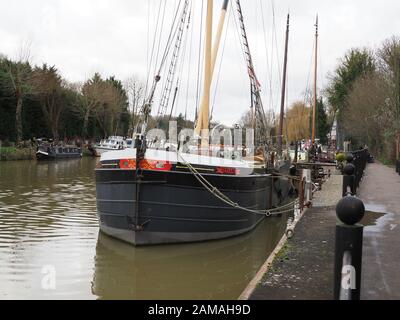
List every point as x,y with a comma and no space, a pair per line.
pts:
315,84
217,41
282,114
211,53
202,128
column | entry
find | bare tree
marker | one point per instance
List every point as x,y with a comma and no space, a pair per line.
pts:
389,66
247,119
297,124
135,89
90,97
105,100
370,111
108,111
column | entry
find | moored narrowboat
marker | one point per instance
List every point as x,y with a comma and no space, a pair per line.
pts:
48,152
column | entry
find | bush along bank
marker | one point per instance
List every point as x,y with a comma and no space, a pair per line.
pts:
26,153
13,153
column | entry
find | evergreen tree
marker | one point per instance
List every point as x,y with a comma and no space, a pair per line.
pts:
48,87
15,82
322,122
355,64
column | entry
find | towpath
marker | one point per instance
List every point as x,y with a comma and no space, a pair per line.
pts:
304,268
380,192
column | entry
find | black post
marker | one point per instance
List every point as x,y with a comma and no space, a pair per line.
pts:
398,166
359,159
348,249
349,179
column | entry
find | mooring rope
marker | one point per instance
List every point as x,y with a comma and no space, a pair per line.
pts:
294,178
218,194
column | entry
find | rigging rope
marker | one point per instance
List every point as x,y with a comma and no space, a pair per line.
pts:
307,91
260,125
286,105
154,43
239,36
159,39
177,93
218,194
268,73
189,65
170,37
278,56
148,47
147,105
174,61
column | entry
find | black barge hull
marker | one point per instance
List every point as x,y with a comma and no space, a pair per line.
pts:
173,207
51,156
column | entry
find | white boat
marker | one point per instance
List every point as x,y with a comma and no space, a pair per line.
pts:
113,143
301,155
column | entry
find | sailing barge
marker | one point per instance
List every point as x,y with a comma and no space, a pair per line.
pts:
149,196
164,202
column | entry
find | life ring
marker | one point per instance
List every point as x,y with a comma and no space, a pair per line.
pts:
289,233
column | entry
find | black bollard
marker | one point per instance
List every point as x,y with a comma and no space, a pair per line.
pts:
349,158
348,249
398,166
349,178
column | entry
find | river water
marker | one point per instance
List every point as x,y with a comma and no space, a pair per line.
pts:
51,247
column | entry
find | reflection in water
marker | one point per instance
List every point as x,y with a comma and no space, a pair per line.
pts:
211,270
48,217
371,218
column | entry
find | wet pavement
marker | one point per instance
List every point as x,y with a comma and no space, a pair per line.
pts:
303,269
380,192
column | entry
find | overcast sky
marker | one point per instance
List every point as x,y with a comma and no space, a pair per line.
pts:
81,37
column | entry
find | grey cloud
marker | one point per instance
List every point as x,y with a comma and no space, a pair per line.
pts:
81,37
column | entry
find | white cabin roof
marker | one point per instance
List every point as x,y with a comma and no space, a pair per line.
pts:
162,155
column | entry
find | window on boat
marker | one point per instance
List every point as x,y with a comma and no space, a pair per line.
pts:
60,150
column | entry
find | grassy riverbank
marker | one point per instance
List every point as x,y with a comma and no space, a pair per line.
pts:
13,153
